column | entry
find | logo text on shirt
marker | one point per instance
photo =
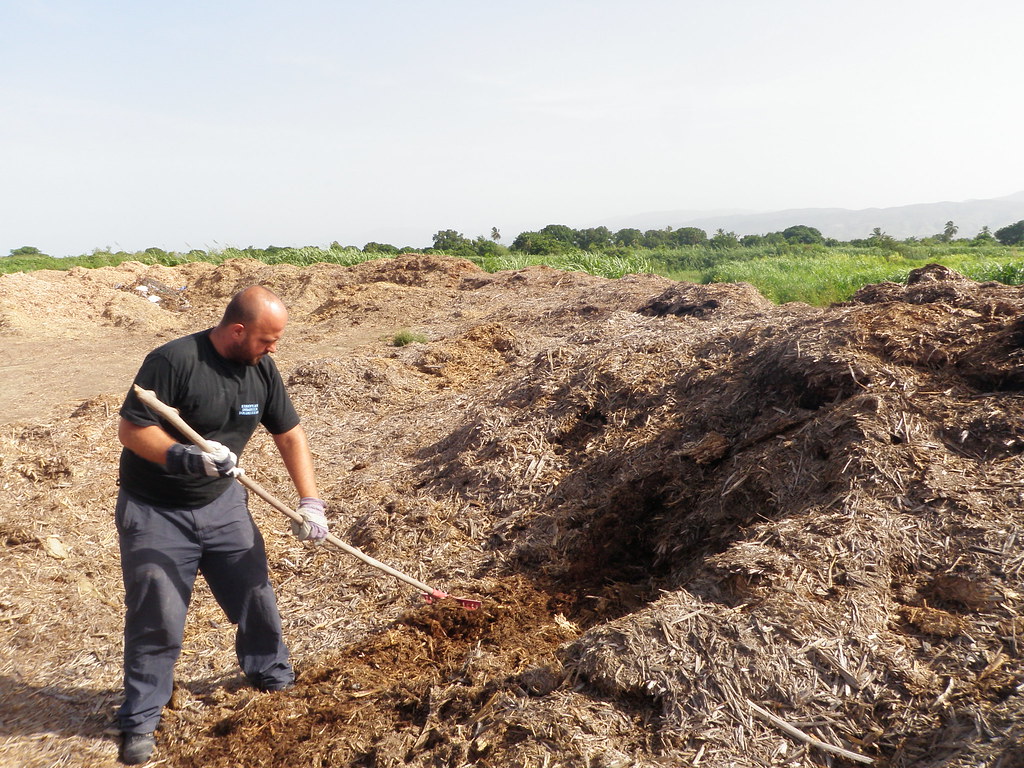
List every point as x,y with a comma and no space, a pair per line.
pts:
249,409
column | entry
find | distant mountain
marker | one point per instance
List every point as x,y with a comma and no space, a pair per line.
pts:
920,220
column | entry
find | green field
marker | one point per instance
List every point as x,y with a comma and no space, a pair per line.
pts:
835,274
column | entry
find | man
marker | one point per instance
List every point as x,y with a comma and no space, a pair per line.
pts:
180,511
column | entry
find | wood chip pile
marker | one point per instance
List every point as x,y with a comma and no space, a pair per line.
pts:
706,530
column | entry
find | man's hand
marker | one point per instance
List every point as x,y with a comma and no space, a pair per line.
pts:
219,461
314,527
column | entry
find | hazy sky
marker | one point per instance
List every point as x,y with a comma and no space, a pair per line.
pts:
207,124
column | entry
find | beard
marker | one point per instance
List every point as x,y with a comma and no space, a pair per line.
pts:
239,353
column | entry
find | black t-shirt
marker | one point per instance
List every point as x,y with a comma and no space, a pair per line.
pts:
220,399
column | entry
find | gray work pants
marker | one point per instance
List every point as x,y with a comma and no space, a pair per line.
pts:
162,550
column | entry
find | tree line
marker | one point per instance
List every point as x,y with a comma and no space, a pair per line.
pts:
558,238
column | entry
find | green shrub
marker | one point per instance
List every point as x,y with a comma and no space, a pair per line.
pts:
405,336
613,263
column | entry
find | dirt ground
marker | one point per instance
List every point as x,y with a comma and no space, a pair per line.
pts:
705,530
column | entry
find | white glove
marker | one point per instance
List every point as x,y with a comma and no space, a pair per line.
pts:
314,525
219,461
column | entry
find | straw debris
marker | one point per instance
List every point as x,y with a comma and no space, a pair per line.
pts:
706,530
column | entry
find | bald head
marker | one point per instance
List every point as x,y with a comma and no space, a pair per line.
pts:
249,305
253,322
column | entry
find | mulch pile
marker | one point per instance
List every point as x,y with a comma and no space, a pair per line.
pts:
706,530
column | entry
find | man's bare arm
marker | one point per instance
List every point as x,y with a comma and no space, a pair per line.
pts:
151,443
294,449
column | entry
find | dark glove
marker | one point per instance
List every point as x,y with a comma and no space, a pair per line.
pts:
314,527
219,461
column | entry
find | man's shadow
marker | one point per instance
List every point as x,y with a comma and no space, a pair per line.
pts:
89,712
61,710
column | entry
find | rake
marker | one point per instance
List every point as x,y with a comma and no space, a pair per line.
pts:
173,417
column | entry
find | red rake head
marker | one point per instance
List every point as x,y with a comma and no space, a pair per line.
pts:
465,602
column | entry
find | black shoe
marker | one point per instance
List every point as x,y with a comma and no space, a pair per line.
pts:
136,748
272,687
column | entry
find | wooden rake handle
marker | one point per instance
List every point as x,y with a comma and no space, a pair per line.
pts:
171,415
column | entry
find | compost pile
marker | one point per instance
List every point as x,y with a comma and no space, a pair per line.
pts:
705,530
